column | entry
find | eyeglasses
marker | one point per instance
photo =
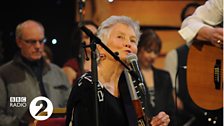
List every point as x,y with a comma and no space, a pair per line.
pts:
33,42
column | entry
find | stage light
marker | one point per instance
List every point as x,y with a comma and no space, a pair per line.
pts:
209,119
110,1
54,41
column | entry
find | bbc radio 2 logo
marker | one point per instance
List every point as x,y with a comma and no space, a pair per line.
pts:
17,102
41,108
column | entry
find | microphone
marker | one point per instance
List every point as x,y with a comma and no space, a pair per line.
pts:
116,53
133,61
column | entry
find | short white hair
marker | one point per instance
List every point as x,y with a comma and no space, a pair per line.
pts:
105,27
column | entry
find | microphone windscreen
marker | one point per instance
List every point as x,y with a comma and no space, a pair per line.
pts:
131,57
116,53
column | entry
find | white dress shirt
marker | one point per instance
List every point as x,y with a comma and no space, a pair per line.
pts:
210,14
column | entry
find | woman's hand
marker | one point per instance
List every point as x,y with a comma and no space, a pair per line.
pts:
161,119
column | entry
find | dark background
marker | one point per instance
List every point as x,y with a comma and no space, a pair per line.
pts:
57,16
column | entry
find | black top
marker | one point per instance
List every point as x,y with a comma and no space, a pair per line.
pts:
161,98
112,111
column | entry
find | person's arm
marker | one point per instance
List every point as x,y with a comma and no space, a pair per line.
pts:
70,73
71,104
205,16
5,119
72,70
78,99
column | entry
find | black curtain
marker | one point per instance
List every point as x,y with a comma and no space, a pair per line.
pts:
57,16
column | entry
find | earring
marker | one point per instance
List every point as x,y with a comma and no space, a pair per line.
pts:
102,56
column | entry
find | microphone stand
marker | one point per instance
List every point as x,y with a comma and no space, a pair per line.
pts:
94,76
93,61
81,55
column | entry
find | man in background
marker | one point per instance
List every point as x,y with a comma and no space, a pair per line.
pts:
28,75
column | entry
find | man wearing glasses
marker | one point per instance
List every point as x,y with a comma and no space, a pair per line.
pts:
27,76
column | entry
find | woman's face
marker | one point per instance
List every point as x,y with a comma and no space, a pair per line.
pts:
146,58
122,39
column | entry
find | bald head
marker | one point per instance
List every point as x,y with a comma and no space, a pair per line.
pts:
26,25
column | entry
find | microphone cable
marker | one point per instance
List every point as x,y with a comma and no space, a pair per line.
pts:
175,86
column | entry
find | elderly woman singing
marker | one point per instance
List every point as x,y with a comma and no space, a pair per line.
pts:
120,34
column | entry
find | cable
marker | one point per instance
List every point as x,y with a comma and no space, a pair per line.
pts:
175,86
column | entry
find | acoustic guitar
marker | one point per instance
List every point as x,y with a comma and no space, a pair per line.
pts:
204,75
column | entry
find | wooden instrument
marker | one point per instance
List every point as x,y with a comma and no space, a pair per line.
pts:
139,107
204,75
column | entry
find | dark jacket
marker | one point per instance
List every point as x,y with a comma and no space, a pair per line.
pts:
18,80
163,95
